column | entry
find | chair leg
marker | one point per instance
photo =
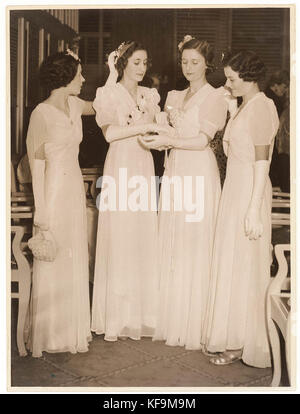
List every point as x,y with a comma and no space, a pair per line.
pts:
287,347
275,345
24,296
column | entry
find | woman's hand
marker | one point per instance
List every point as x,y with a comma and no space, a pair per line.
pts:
113,73
159,129
157,142
41,221
111,61
253,224
175,116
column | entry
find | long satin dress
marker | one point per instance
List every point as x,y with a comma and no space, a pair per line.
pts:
241,267
186,237
60,320
126,276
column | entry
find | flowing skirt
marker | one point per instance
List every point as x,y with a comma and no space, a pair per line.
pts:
60,319
185,245
126,275
240,272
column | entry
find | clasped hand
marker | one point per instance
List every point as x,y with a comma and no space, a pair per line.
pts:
158,142
157,137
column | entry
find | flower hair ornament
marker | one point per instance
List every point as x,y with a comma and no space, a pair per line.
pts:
121,50
186,39
73,54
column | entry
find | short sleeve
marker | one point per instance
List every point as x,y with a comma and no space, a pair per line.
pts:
104,106
155,98
36,134
262,122
170,100
213,117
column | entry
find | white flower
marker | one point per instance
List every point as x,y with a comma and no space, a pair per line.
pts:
71,53
186,38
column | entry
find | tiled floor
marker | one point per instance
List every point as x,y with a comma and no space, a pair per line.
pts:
132,364
129,363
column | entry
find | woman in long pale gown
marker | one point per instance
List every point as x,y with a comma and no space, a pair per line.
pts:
186,236
60,289
126,279
236,320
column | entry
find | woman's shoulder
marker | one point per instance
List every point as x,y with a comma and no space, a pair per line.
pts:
107,90
219,92
106,94
262,103
177,92
148,91
39,112
150,94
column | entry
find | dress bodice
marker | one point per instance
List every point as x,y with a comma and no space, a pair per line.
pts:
204,112
60,134
255,124
115,106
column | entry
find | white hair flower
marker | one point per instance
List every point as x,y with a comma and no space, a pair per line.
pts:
71,53
186,38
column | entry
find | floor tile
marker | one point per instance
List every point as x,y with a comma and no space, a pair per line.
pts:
33,372
233,374
103,357
162,373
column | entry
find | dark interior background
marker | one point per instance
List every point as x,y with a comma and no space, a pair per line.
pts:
265,30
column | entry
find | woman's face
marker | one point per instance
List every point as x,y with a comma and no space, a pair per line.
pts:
75,85
193,64
136,66
236,85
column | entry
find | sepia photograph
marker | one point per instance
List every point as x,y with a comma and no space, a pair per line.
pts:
151,188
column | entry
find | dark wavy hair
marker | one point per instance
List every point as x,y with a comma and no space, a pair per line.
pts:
205,50
248,65
123,59
58,70
279,77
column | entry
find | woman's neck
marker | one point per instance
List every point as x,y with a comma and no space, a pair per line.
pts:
130,85
59,97
249,95
197,84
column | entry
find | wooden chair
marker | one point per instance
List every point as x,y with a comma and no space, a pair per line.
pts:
90,177
278,314
21,275
280,219
281,201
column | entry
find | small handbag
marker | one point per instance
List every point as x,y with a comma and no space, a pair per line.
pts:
43,246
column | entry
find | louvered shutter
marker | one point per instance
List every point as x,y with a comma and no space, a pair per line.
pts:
260,30
208,24
107,33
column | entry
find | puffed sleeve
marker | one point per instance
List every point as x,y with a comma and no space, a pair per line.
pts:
155,99
36,135
262,121
104,106
213,117
170,100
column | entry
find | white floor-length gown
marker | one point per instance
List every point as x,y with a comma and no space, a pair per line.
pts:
126,278
236,316
60,289
185,247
